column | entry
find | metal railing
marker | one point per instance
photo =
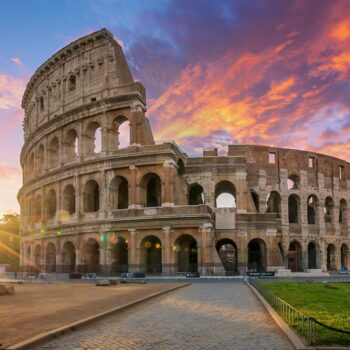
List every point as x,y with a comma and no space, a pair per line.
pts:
314,331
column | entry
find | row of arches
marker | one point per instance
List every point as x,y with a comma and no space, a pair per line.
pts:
294,208
69,146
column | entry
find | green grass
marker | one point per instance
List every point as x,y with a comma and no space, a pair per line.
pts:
327,305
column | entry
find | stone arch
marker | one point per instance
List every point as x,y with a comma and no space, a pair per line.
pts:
152,190
37,258
40,159
274,203
50,258
227,250
51,204
295,256
151,254
37,208
68,257
225,194
71,145
121,126
329,210
312,255
119,254
93,137
294,209
53,151
91,196
293,182
257,255
119,193
312,213
331,264
186,253
195,194
343,211
180,167
255,197
91,256
69,199
344,257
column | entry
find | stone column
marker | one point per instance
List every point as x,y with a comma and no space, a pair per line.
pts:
132,256
206,245
166,252
133,187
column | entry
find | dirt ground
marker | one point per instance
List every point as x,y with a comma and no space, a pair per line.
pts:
37,308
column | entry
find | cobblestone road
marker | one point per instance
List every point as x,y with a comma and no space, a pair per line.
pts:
201,316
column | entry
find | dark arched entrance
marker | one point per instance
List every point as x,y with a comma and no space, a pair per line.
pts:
152,254
344,257
120,255
50,258
92,256
331,265
186,254
257,255
68,257
312,256
294,256
227,251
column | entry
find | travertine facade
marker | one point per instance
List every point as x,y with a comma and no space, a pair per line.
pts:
90,202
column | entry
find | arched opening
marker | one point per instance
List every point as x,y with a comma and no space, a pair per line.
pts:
40,157
295,256
120,254
294,209
180,167
343,211
195,195
119,193
93,142
91,196
312,202
186,252
255,197
53,151
31,165
50,258
329,210
37,258
227,251
344,257
312,256
122,129
225,195
274,203
51,204
68,257
69,199
151,254
256,255
293,182
331,265
152,187
91,253
71,145
37,208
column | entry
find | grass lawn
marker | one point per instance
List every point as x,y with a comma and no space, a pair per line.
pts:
328,305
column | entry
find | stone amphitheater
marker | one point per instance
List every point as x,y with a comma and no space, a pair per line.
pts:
100,195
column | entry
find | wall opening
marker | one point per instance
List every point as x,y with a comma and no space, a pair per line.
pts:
50,258
312,210
227,251
69,199
274,203
71,145
151,254
93,138
119,193
120,254
294,209
51,204
121,127
152,190
344,256
54,151
257,255
225,195
195,195
255,197
312,256
91,254
186,254
68,257
343,211
295,256
40,159
329,210
91,196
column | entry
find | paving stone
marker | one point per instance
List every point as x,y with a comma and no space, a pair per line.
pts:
200,316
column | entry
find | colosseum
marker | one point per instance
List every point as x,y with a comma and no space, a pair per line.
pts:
100,195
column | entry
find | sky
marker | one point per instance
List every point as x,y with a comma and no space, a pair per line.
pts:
220,72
